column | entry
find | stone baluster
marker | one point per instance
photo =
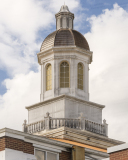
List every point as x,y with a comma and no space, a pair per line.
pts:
78,124
29,128
39,126
51,123
59,123
35,127
94,127
99,128
55,123
64,123
86,124
69,123
73,124
24,126
32,128
43,124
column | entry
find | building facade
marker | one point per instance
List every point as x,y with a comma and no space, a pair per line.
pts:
64,125
119,152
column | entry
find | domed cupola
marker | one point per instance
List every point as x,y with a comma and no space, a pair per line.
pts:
64,37
64,58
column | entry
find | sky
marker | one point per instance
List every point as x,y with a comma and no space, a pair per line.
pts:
23,27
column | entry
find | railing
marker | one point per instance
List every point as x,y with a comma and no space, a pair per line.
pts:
54,123
64,122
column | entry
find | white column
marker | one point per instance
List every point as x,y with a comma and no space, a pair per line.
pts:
56,76
86,81
53,78
42,83
71,76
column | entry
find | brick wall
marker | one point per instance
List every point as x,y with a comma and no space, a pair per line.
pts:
119,155
2,143
65,156
16,144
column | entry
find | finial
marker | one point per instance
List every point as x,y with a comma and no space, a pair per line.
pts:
47,114
104,121
25,121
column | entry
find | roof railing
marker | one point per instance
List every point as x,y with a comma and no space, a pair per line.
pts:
50,123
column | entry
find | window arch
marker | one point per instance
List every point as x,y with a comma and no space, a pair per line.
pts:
64,75
48,77
80,76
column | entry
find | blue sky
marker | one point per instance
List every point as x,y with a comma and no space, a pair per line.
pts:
89,8
23,27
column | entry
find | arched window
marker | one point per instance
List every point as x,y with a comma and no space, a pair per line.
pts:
48,77
80,76
64,75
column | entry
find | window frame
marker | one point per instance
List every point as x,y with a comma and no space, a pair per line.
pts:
78,75
45,152
60,72
46,76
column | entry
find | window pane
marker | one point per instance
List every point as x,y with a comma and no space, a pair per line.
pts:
62,85
66,85
51,156
64,75
39,155
66,80
48,77
80,76
67,74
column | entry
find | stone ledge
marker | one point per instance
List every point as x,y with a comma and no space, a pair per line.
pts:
64,97
84,137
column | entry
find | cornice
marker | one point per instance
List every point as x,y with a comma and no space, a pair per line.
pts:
66,49
64,97
64,13
25,136
96,140
117,148
97,153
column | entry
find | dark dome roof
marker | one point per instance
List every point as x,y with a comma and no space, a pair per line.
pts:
64,37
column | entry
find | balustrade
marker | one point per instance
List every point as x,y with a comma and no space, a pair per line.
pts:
54,123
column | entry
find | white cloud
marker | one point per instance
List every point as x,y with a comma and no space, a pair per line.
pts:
23,90
108,72
20,25
20,22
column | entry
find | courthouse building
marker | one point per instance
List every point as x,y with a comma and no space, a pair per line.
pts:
64,125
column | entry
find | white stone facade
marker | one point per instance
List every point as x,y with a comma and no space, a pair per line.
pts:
65,107
72,55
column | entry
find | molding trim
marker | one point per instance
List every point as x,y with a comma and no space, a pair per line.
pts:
81,137
64,97
30,138
66,49
97,153
46,148
117,148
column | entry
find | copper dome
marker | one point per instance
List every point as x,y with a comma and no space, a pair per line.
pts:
64,37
